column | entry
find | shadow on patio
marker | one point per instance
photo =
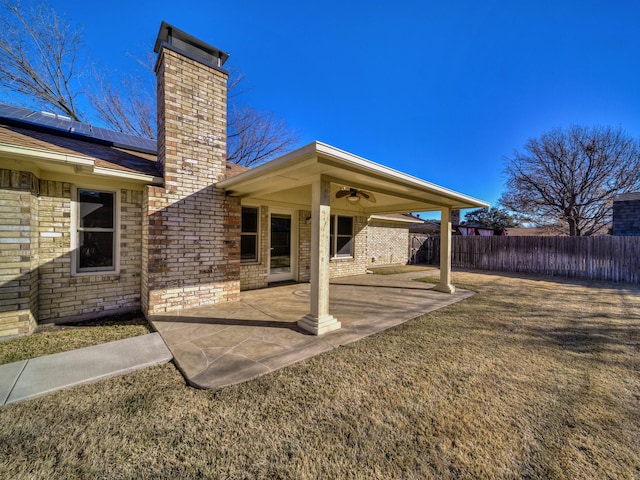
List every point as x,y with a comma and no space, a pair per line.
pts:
228,343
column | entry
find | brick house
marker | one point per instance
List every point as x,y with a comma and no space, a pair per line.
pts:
626,214
95,223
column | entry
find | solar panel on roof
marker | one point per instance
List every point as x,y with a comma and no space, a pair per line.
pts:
75,128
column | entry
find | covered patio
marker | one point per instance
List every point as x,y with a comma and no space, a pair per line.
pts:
228,343
325,180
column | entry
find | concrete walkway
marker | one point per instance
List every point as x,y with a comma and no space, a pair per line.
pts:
38,376
224,344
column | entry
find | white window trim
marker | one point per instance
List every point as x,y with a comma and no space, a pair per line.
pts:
258,235
334,220
75,222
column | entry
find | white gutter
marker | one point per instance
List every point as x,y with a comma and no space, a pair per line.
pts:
140,177
80,163
39,154
394,219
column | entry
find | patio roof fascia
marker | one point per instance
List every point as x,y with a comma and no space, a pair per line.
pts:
385,218
318,154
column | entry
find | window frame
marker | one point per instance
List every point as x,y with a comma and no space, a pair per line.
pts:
334,235
255,234
76,231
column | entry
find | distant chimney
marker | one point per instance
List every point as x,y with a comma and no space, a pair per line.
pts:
455,217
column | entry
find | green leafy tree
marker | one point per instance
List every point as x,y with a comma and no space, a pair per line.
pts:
492,217
566,179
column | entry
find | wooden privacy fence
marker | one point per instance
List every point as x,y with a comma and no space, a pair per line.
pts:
596,258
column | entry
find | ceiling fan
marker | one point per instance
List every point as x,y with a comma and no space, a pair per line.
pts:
354,195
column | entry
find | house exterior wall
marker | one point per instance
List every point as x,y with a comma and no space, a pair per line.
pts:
19,241
304,245
356,265
626,214
64,296
256,275
37,283
388,243
193,229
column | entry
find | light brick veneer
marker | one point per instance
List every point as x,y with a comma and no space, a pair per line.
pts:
388,243
192,229
304,245
36,281
18,252
342,267
256,275
68,297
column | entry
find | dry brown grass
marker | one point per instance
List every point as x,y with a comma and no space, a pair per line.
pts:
394,269
530,378
51,338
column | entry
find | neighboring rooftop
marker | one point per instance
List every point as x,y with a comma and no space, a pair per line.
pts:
627,197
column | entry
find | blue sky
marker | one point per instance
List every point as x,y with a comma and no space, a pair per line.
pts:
440,90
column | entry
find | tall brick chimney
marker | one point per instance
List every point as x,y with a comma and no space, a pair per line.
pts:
190,245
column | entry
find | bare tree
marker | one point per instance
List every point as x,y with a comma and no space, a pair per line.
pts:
254,137
38,63
568,178
38,53
126,102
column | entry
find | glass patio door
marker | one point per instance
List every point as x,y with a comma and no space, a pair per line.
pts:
281,242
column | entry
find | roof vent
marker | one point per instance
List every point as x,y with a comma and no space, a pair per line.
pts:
189,46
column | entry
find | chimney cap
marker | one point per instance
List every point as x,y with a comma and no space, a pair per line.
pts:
197,49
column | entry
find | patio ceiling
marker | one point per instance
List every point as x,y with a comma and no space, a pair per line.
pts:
287,181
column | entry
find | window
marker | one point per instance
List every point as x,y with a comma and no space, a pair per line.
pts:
249,235
95,242
341,236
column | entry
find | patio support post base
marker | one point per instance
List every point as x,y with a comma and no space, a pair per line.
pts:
445,288
319,326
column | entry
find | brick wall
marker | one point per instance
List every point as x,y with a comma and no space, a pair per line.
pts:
67,297
256,275
626,215
304,245
342,267
193,229
388,243
18,242
36,281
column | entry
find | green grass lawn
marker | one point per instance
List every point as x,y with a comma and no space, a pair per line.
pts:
530,378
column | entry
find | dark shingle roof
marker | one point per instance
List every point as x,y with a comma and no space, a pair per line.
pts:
110,149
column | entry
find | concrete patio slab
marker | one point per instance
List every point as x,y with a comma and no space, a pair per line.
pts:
223,344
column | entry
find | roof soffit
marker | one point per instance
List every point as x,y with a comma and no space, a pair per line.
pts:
395,191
